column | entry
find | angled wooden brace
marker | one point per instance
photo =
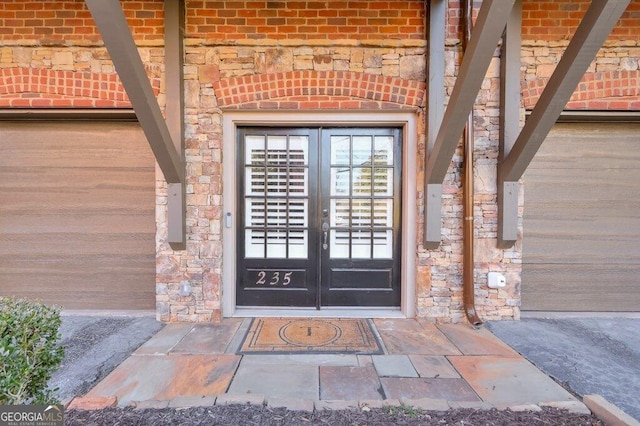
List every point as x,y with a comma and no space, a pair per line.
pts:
591,34
487,31
119,42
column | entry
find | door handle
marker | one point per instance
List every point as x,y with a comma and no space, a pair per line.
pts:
325,235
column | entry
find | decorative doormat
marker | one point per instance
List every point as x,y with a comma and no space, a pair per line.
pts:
310,336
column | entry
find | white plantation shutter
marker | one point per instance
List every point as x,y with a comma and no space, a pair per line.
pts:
276,196
362,197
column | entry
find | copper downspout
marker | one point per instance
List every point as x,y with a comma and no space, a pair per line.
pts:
468,261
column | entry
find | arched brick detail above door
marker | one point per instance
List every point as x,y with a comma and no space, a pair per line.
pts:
22,87
318,90
609,90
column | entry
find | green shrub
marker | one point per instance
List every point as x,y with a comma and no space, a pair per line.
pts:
29,351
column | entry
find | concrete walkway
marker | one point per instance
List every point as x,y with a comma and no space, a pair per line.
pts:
424,365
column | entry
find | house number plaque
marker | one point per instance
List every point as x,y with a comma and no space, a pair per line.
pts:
275,278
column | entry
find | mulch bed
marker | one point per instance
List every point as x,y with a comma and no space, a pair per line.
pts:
229,415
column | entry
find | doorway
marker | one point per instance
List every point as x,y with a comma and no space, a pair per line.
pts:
318,217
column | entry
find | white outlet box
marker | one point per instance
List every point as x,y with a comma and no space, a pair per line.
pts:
496,280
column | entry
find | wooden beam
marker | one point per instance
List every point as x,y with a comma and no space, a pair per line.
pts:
445,130
174,21
591,34
118,40
437,18
509,124
487,31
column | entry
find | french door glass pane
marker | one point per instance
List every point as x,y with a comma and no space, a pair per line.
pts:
383,150
361,146
361,191
276,196
361,244
340,213
254,150
383,244
340,181
383,213
340,150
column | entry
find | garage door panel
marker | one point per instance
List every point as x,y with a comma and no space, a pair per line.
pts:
625,210
582,220
77,244
85,178
597,149
89,189
575,287
113,264
57,287
71,222
583,185
77,214
620,231
71,202
73,145
567,251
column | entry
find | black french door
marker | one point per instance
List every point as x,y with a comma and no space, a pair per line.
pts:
319,217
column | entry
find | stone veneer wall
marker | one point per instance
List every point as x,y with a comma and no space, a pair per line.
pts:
78,58
212,68
612,81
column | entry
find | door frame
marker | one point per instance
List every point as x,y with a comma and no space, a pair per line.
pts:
406,120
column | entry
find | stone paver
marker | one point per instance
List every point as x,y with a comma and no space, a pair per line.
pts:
93,402
234,346
508,381
410,337
192,401
426,366
476,405
522,407
572,406
335,405
244,399
475,342
306,359
426,403
447,389
164,340
379,403
208,338
433,366
348,382
150,404
394,366
296,404
260,374
365,361
146,377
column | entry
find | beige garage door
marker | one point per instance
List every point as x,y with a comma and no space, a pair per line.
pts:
581,246
77,224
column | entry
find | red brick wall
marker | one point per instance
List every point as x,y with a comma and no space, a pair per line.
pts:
558,20
51,21
610,90
68,20
318,90
305,19
22,87
57,20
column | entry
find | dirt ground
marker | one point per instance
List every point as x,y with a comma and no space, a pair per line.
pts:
231,415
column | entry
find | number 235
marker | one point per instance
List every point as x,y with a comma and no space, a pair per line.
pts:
275,278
